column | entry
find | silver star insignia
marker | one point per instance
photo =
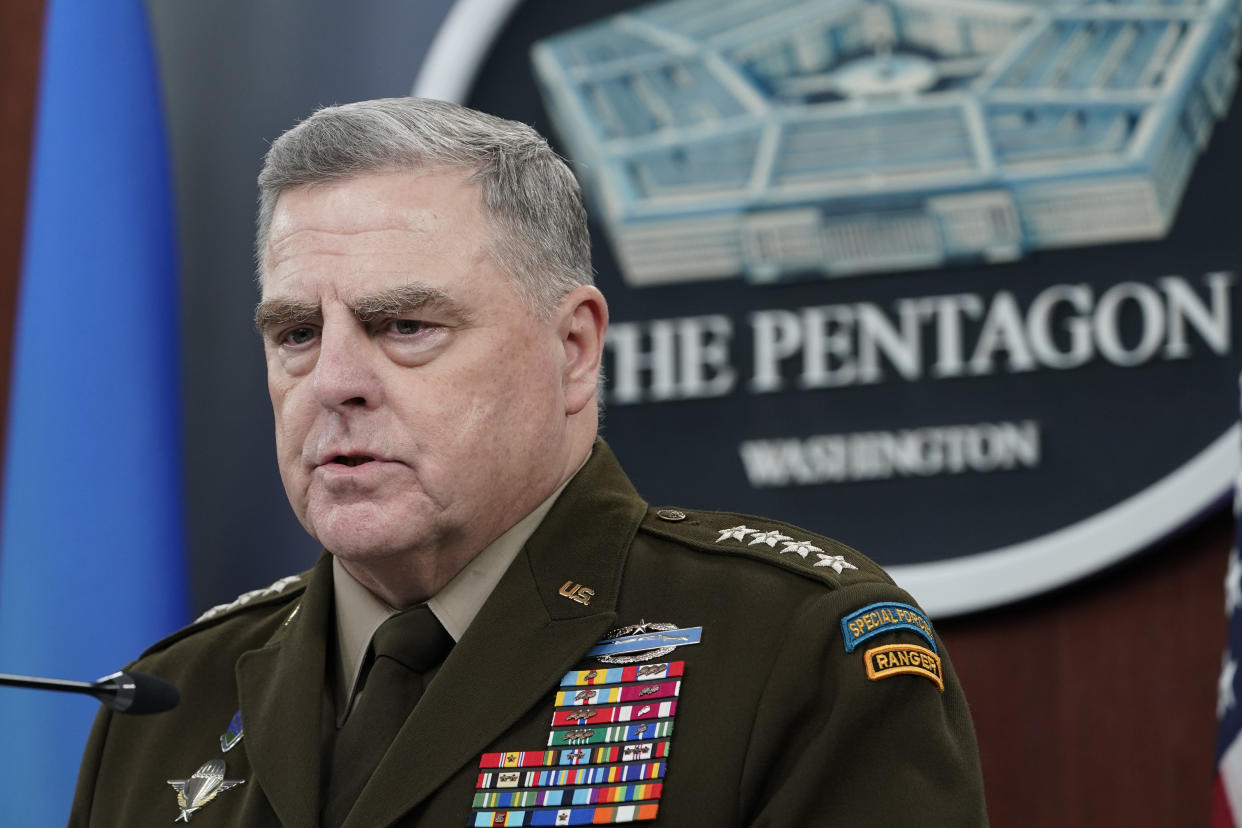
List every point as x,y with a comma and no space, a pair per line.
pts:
1225,697
837,562
1233,584
770,538
801,547
737,533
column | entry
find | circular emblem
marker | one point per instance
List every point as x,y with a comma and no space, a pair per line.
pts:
954,284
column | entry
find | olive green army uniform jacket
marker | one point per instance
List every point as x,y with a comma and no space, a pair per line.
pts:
775,721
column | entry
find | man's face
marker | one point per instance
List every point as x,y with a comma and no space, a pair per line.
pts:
419,404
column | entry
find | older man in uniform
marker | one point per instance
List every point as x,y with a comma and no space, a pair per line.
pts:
500,631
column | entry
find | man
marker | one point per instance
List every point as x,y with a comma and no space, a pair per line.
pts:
433,344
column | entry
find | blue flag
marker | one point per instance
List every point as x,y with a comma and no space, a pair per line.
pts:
91,548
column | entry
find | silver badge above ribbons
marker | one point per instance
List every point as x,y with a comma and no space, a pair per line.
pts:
643,641
201,788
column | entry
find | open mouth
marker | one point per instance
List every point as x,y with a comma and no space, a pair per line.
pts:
352,460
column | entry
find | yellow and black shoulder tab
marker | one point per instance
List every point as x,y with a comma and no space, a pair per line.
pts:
759,538
281,592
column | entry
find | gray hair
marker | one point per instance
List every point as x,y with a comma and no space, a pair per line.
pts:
531,200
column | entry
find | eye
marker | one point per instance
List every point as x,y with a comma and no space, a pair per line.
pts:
412,342
300,335
407,327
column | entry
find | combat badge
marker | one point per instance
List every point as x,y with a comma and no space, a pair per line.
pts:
643,641
201,788
904,659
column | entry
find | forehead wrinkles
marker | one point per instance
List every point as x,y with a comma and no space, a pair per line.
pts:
382,201
401,248
354,241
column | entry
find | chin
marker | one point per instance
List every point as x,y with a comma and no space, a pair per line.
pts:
366,543
359,551
361,535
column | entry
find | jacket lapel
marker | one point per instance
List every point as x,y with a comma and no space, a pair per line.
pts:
280,687
523,640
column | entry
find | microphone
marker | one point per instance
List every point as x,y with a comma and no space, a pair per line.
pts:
124,692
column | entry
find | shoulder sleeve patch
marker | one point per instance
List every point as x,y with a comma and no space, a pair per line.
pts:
904,659
877,619
247,597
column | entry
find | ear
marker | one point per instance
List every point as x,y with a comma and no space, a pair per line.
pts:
582,320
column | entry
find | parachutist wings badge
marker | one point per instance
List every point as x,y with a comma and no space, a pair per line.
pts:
201,788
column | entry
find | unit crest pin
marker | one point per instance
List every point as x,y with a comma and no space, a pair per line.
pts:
232,734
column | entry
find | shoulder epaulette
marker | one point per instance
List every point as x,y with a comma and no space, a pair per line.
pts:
280,592
254,595
763,539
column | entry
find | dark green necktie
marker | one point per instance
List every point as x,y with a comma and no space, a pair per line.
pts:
405,652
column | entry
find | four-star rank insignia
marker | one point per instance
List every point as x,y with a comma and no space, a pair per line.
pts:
772,537
201,787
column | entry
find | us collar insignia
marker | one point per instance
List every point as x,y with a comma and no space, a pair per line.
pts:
232,734
201,787
643,641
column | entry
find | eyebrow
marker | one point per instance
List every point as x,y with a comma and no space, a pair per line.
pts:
272,313
407,299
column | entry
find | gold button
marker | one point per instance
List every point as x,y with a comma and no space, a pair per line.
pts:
670,514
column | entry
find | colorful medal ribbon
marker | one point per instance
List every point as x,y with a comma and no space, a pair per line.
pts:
606,753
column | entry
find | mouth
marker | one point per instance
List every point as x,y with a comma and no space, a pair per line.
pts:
351,460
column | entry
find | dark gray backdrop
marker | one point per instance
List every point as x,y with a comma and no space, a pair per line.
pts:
236,74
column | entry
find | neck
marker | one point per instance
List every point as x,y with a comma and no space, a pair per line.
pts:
405,579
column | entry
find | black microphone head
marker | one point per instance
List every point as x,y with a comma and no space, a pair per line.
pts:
136,693
152,695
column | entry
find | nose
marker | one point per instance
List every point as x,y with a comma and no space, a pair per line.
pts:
344,376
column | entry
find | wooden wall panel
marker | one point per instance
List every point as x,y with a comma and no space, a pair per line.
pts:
1095,705
21,34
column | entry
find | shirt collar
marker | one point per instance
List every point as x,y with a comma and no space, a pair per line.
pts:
359,612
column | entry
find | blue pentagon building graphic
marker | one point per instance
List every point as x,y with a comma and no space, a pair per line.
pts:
782,138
